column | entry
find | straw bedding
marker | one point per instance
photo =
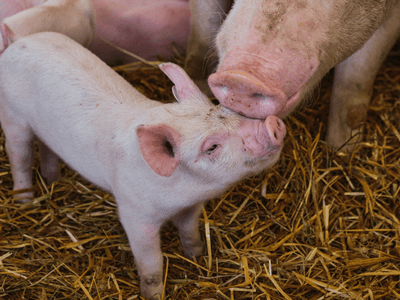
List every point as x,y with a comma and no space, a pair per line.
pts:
320,225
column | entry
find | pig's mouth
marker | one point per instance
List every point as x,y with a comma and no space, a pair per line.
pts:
291,102
268,159
269,152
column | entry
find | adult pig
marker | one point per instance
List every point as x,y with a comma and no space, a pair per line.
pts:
145,27
80,110
74,18
273,53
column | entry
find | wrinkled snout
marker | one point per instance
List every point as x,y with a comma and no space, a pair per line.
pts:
262,138
246,95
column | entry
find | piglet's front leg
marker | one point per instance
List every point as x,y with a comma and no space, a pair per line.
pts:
187,222
19,146
144,240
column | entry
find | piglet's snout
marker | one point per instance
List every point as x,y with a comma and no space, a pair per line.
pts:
276,130
263,138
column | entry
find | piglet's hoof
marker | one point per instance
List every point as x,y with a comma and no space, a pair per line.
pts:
194,250
151,287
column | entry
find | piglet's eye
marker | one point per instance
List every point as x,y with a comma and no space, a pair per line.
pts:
212,148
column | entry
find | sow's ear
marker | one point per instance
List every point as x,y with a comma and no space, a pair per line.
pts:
7,37
158,144
185,89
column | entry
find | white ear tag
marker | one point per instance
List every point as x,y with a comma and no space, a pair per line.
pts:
175,94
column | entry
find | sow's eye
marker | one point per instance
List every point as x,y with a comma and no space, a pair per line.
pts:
210,150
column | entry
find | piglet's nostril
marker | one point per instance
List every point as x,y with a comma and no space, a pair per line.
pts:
276,129
215,102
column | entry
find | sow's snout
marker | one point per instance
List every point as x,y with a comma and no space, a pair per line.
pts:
262,138
246,95
257,85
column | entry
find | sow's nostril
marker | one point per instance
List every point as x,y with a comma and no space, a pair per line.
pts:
276,130
246,95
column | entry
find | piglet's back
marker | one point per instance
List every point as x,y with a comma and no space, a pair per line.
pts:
70,100
50,60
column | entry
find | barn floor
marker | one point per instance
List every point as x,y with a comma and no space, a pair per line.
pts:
320,225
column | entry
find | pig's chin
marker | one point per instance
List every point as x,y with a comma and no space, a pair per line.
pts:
267,161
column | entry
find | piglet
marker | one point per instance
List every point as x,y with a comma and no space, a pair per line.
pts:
74,18
160,161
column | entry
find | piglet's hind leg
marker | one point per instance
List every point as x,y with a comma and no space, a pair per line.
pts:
49,166
187,222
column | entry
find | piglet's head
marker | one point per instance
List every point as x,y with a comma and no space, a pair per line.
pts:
211,142
160,144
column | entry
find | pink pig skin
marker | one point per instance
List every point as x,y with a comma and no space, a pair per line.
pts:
146,28
74,18
80,110
9,8
272,53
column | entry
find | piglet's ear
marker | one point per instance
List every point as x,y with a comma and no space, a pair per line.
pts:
158,145
185,89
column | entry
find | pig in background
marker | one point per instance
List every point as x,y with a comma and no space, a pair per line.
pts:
273,53
74,18
80,110
145,27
